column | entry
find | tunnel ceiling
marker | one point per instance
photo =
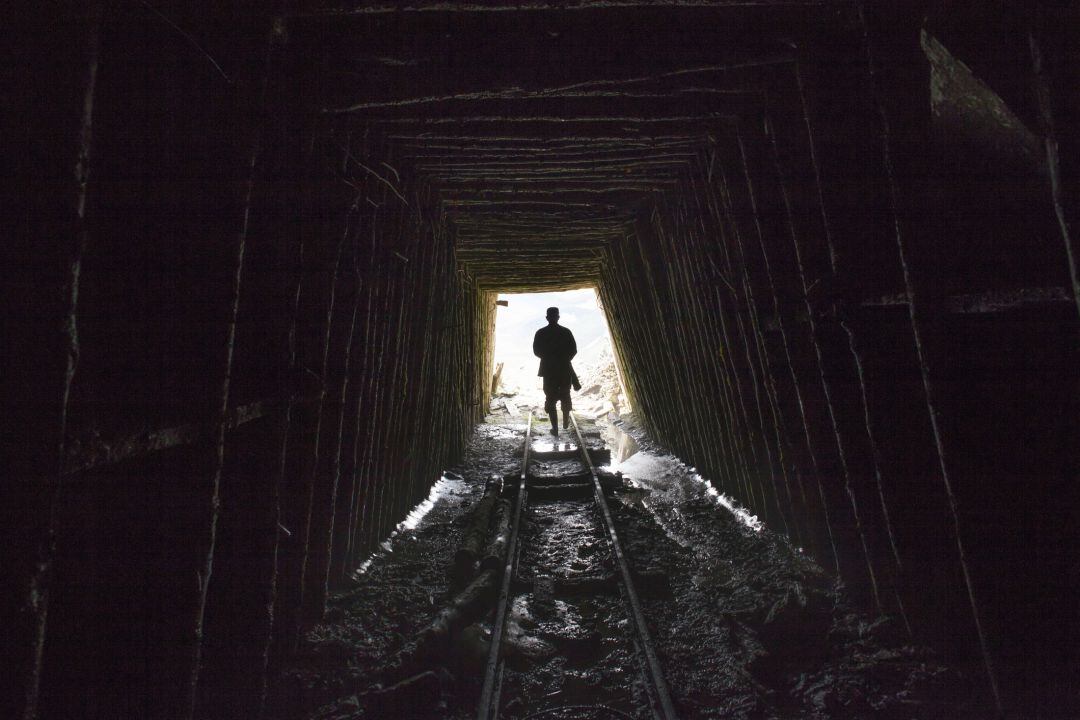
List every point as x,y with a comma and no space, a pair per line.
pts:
542,134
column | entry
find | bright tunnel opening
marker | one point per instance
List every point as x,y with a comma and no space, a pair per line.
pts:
515,366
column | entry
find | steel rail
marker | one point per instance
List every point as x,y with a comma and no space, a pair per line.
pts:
489,696
662,706
666,710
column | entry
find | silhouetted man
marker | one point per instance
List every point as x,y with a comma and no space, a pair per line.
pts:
555,346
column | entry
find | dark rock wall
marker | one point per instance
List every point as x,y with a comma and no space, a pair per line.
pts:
273,355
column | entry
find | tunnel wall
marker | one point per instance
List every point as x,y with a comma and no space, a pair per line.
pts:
246,352
857,320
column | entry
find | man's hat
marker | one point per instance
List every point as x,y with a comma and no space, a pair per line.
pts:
553,312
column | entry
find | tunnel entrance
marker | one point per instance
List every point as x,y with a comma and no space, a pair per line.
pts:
515,379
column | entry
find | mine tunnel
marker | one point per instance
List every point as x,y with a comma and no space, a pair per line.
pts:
252,285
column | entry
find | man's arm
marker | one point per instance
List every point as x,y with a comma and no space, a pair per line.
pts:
537,351
572,347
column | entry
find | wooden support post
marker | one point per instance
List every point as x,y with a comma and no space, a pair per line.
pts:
46,488
1064,212
915,313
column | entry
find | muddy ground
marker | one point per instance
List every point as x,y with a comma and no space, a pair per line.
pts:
746,625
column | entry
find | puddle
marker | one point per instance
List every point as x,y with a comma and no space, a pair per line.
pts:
621,444
497,431
557,468
447,485
665,475
743,515
552,445
625,446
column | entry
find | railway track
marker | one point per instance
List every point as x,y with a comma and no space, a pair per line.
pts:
616,644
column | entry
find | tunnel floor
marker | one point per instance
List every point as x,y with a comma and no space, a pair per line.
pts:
745,624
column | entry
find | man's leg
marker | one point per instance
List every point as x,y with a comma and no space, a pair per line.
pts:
567,406
550,397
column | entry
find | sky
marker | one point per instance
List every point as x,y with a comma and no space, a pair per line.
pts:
516,324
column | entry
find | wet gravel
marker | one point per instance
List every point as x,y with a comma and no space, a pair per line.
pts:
746,625
355,649
587,654
753,628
